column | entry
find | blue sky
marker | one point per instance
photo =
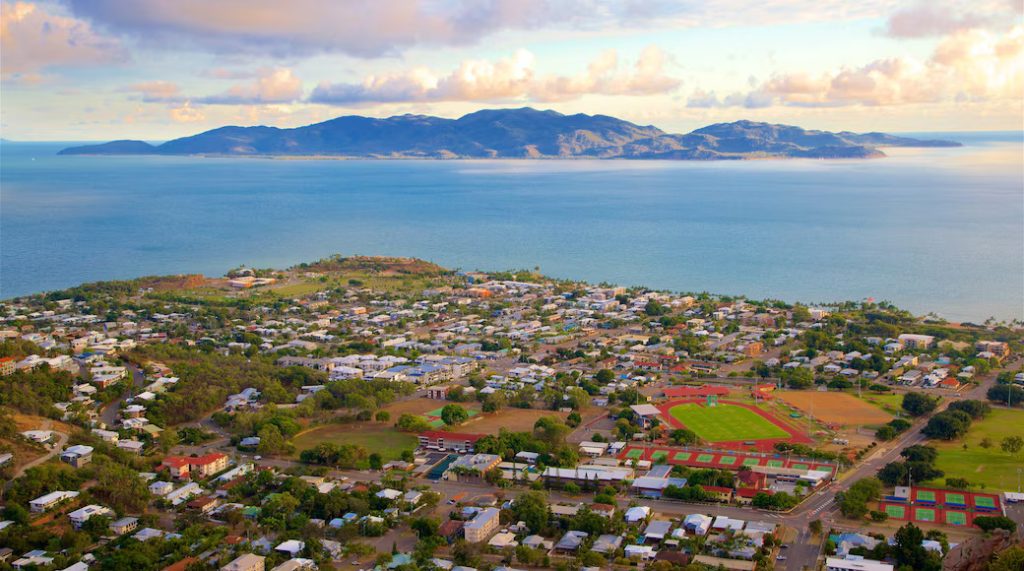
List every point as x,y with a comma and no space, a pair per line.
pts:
157,69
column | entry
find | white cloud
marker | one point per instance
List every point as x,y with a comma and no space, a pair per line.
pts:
186,114
971,65
277,85
507,79
156,91
34,40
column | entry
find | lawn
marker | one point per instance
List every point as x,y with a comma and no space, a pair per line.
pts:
725,423
385,440
889,403
991,468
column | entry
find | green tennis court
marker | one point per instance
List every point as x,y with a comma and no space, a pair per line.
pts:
726,423
926,515
800,466
634,453
752,462
705,458
984,502
896,512
659,456
956,518
924,495
682,456
727,460
955,499
776,463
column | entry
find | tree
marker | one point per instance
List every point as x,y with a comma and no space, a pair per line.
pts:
383,416
918,404
531,508
454,415
1010,560
271,440
948,425
425,527
920,453
986,443
815,526
604,376
1012,444
909,550
799,378
412,423
681,436
988,523
1010,395
574,419
854,503
976,408
376,461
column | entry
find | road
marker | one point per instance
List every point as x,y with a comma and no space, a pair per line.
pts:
109,413
54,448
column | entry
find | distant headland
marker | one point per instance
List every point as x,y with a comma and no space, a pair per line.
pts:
517,134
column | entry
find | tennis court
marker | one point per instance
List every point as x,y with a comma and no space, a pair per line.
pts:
924,496
635,454
938,506
896,512
705,458
727,460
682,456
956,518
925,515
954,499
984,502
752,462
659,456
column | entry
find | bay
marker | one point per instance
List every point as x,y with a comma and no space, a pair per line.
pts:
932,230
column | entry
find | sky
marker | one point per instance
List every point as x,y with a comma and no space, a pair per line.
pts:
92,70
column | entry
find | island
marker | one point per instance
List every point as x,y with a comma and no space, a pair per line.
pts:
517,134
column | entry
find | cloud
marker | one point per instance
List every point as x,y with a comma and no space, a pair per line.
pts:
507,79
930,19
33,40
388,27
364,29
186,114
277,85
971,65
156,91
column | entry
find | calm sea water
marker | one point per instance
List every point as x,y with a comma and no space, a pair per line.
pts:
932,230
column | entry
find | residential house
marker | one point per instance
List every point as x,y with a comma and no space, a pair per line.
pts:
246,562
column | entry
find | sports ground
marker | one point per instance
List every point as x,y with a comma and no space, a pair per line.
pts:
730,424
944,507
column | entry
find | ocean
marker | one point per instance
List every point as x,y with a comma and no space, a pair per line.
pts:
932,230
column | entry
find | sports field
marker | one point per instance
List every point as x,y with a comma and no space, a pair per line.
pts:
992,467
386,441
725,422
835,407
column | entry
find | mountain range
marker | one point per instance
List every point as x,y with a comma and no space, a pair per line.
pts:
517,133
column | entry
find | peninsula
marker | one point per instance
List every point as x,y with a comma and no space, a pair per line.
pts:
517,134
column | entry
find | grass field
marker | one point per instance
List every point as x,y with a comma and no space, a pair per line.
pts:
890,403
991,467
725,423
386,441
